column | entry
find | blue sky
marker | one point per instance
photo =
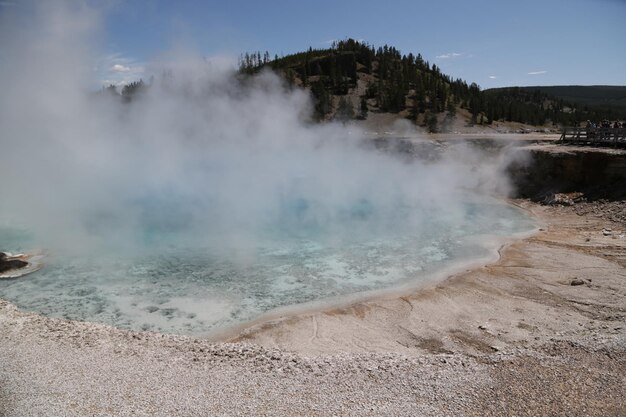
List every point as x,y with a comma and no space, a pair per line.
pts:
492,43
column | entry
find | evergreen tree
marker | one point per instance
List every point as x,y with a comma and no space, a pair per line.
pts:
133,89
321,99
431,122
364,109
345,111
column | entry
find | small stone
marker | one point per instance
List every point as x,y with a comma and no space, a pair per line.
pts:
481,327
577,281
606,232
7,263
495,348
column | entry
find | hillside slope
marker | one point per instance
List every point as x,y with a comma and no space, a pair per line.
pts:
354,80
609,100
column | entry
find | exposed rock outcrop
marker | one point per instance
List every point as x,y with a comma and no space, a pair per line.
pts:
560,175
8,263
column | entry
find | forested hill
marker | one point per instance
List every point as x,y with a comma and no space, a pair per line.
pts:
351,79
608,101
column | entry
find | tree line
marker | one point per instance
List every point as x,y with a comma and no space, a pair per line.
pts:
393,82
407,83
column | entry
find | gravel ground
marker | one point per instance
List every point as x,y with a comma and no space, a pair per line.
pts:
614,211
87,369
56,367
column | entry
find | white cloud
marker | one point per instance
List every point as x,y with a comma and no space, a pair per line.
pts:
120,68
537,72
493,77
449,55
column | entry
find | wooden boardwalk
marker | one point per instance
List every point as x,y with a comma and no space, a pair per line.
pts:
595,136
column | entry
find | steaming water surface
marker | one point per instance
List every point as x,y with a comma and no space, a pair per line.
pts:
173,286
209,198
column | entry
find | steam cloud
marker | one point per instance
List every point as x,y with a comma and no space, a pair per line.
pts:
202,154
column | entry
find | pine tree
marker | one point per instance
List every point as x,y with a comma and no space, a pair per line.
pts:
345,111
364,109
431,122
321,98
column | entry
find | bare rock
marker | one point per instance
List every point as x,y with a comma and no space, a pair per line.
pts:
564,199
7,263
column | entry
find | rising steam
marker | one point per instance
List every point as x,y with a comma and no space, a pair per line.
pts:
201,155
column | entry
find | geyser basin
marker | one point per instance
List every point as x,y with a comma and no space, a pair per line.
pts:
171,287
209,197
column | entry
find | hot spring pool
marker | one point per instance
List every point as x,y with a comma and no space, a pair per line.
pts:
174,286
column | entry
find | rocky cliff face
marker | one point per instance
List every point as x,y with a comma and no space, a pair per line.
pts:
540,172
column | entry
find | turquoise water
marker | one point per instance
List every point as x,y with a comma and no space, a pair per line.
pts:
177,285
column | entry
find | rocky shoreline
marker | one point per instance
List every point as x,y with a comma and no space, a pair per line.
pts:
514,337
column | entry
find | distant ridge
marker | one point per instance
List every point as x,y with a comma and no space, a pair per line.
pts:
609,100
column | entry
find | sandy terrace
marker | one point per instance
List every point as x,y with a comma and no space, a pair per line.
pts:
511,338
